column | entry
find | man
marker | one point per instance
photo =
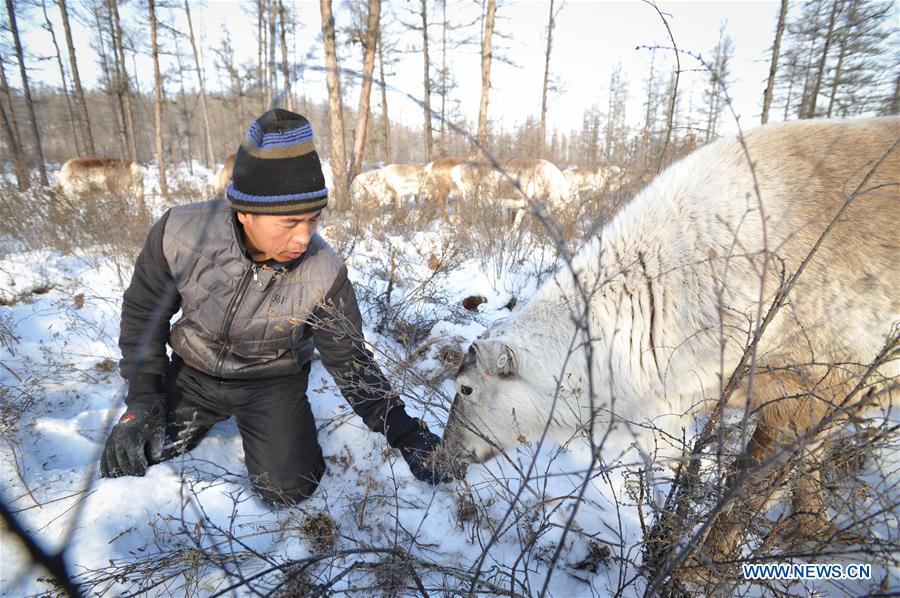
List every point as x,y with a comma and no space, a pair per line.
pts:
258,290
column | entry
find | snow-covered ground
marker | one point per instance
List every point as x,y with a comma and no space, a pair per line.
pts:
193,526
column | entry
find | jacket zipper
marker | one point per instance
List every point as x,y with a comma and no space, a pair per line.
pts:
229,317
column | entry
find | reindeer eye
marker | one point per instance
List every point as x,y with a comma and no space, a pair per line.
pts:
466,390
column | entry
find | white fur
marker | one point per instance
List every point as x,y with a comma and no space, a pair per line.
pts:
674,282
389,186
538,179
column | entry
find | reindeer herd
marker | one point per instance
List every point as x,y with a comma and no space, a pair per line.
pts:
441,184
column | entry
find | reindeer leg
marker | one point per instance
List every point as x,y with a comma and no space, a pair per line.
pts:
753,488
787,411
809,521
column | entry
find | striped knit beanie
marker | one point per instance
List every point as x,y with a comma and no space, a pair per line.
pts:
277,170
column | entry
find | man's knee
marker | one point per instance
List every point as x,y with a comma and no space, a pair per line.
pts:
286,490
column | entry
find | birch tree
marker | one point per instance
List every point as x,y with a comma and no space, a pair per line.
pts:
184,110
270,38
809,111
542,131
861,78
426,85
158,99
285,64
615,131
841,50
385,120
718,79
210,156
261,44
123,86
74,137
486,56
11,134
225,61
76,81
362,113
102,22
773,65
335,109
26,89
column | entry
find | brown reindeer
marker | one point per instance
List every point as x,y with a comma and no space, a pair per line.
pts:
101,175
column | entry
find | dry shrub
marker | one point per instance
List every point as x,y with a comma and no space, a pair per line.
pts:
414,298
295,581
42,217
341,233
187,190
320,530
392,574
599,555
466,509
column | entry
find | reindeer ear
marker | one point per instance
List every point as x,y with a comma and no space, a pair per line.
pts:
506,362
496,358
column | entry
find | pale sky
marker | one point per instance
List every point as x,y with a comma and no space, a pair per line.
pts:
590,38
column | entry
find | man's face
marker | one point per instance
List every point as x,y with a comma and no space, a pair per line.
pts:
280,238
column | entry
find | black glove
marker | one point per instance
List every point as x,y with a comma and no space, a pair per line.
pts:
418,448
137,440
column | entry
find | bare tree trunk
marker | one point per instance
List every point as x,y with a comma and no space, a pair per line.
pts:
226,61
838,69
385,122
73,121
76,79
14,28
610,116
773,66
807,69
11,135
335,110
285,67
143,138
820,70
426,110
185,114
13,121
260,33
273,84
210,156
443,141
124,84
542,132
362,113
157,104
789,95
837,79
485,75
650,112
110,78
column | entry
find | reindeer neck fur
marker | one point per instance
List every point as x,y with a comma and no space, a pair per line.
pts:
655,321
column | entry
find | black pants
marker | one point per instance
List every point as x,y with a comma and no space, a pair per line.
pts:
278,431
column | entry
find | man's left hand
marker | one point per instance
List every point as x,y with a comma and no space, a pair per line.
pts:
418,448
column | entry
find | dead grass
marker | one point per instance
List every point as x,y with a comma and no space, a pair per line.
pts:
320,531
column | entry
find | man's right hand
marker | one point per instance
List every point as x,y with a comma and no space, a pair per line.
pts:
136,441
